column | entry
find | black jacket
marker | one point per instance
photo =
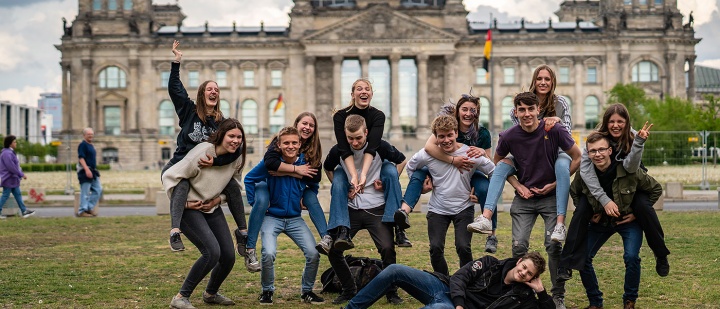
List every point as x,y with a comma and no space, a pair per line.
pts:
193,130
479,284
374,121
386,152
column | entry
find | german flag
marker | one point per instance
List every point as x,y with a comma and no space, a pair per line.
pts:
487,51
279,104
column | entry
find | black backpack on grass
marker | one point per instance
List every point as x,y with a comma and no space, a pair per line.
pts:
363,270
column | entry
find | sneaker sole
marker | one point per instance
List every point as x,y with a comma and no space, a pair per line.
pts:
29,215
175,250
557,239
404,245
320,249
343,245
266,304
473,230
401,220
252,269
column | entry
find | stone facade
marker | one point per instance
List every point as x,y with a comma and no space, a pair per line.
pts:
114,63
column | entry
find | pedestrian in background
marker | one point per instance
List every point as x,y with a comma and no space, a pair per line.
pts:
10,174
88,175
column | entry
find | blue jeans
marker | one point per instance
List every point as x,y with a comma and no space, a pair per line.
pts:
503,170
478,181
18,198
341,186
562,182
421,285
90,193
631,234
298,231
262,203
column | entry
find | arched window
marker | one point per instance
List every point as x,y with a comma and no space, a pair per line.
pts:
250,116
110,155
592,110
408,94
167,118
645,72
225,108
112,77
379,75
277,116
484,112
507,105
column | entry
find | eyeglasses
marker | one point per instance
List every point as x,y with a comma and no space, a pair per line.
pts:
601,151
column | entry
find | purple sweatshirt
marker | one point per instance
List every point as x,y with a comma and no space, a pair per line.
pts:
10,171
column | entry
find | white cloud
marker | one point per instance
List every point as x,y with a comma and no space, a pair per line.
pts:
27,96
13,49
714,63
702,10
531,10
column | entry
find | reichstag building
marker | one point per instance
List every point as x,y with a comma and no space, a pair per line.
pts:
418,54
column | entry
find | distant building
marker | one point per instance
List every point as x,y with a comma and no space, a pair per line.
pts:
51,104
418,54
707,82
20,120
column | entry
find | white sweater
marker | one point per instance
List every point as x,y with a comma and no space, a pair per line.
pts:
205,183
451,190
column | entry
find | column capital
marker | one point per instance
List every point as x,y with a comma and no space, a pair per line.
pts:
87,62
134,62
624,57
449,58
395,57
422,57
65,65
691,58
309,60
670,57
364,57
261,62
337,58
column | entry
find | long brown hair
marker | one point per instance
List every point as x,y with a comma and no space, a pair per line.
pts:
626,137
311,147
472,133
225,126
547,105
200,106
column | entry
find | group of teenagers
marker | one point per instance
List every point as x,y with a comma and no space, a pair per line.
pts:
536,156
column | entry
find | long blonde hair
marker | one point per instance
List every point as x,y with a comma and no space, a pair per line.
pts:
352,89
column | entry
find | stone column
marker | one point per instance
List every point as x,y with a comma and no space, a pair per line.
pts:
234,83
496,116
423,127
337,81
66,97
396,132
364,64
88,110
524,71
132,111
264,118
623,67
691,77
578,107
310,83
670,74
449,76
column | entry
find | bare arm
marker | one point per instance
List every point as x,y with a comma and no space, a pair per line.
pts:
88,173
574,153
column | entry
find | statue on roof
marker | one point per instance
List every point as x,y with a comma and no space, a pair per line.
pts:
132,24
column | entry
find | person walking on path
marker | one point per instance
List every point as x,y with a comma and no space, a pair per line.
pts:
10,174
88,175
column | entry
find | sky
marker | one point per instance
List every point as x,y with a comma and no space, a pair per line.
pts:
29,29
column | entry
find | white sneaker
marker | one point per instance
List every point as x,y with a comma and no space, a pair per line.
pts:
251,261
559,233
324,245
481,225
559,302
3,217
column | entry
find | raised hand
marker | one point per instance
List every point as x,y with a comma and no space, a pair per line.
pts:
645,131
177,53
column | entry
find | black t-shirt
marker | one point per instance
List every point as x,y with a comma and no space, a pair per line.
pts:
606,178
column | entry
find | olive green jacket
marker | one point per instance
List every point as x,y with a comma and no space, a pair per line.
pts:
623,187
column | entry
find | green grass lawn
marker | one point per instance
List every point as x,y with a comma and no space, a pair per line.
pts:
125,262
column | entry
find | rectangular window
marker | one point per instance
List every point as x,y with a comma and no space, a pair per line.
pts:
166,152
564,75
193,79
221,78
97,5
276,78
112,5
627,2
164,79
592,75
112,120
658,2
480,76
127,5
508,75
249,78
642,2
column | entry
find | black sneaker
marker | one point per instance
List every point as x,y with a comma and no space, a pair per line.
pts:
402,219
662,266
311,298
343,298
241,238
343,241
564,274
491,244
28,213
393,298
176,243
266,298
401,239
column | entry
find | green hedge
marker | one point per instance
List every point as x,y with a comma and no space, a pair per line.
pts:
55,167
